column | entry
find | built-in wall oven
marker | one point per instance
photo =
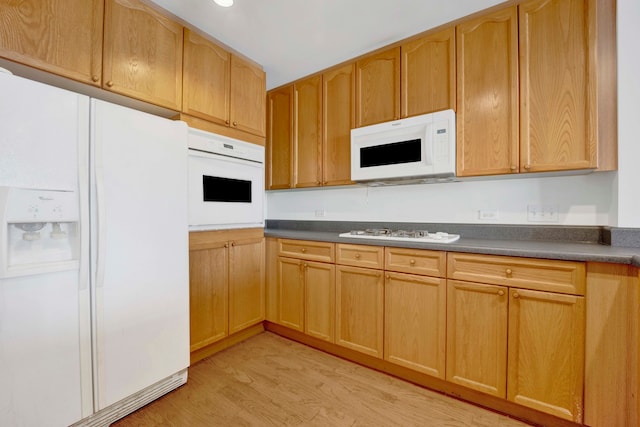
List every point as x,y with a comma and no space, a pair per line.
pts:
226,182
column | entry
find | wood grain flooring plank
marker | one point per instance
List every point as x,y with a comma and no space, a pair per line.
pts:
269,380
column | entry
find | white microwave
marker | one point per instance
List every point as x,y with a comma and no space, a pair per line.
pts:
413,148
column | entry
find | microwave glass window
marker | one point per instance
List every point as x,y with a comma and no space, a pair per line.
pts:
218,189
391,154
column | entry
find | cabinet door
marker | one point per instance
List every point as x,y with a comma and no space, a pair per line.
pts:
429,74
208,292
320,300
558,128
308,132
487,116
60,36
205,83
360,309
378,88
338,95
248,92
246,283
477,336
291,293
280,138
142,53
546,352
415,322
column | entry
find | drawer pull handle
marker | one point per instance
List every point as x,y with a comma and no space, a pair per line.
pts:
508,272
501,293
412,262
516,295
226,245
357,256
388,276
303,250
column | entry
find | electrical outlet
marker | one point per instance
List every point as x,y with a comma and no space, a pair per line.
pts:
542,213
320,213
488,214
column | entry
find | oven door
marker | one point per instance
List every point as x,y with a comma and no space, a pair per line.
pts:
224,192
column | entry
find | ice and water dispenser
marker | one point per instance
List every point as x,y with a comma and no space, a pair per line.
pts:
39,231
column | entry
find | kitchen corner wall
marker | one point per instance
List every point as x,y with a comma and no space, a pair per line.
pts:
580,200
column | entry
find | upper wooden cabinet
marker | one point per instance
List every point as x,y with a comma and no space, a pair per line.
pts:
142,53
428,74
338,112
307,143
60,36
378,88
222,88
487,97
248,89
558,85
279,148
551,107
206,84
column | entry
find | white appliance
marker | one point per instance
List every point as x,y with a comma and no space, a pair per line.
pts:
226,182
94,319
415,148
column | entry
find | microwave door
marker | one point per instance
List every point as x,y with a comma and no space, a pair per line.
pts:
225,192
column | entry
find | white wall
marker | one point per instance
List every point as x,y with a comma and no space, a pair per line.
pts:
581,200
628,206
597,199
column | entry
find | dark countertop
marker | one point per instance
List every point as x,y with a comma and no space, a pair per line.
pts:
548,249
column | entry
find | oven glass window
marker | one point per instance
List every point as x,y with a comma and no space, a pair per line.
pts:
391,154
217,189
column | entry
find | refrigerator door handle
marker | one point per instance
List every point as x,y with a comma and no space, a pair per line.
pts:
100,229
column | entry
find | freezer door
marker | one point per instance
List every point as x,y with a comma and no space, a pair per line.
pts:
140,277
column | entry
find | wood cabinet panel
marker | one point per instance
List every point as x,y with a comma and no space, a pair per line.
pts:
415,261
487,97
246,283
206,80
558,128
280,139
142,55
208,292
320,300
360,255
271,279
305,249
415,322
360,309
307,169
291,293
477,316
60,36
429,74
248,92
378,88
338,111
546,352
546,275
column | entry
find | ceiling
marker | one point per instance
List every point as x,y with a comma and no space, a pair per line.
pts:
294,38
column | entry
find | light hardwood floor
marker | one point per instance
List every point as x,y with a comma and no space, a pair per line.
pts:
272,381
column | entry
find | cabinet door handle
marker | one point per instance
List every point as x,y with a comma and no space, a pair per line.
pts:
357,256
513,168
516,295
109,83
500,293
233,243
527,167
95,78
508,272
387,277
226,245
226,122
235,124
412,262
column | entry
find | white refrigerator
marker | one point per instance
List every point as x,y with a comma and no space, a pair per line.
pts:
94,289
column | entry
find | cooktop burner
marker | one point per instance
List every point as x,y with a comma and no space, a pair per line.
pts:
402,235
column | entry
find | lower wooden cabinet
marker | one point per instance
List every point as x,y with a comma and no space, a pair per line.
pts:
226,283
320,300
415,322
360,309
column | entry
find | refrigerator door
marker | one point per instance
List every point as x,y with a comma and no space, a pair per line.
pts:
140,273
45,341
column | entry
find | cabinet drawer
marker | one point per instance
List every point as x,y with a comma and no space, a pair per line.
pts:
413,261
566,277
305,249
361,255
